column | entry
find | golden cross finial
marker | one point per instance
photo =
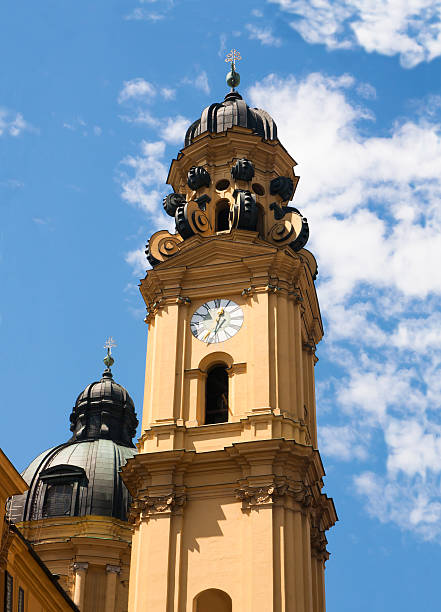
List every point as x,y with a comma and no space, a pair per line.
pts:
233,57
109,344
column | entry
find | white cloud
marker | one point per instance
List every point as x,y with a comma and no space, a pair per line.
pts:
373,207
141,188
168,93
201,82
341,442
137,89
263,35
138,261
97,130
257,13
141,14
409,28
12,123
141,116
175,128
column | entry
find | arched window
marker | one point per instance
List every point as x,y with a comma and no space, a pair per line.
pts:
216,395
222,216
212,600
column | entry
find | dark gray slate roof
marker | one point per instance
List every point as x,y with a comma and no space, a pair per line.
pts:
218,117
81,477
100,489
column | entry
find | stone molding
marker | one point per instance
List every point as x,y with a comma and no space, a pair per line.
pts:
258,496
253,496
156,505
318,544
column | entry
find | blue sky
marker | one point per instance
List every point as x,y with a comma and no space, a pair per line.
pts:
94,103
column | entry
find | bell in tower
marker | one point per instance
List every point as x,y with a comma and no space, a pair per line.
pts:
228,511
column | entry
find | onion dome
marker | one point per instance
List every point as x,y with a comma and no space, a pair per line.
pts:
81,476
219,117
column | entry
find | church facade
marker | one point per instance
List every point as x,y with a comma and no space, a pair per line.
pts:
228,511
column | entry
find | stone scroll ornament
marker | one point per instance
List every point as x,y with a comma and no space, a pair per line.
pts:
198,177
161,246
243,170
172,201
282,186
191,220
244,212
290,228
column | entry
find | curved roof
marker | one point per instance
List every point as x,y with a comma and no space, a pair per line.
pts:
81,476
104,410
90,467
219,117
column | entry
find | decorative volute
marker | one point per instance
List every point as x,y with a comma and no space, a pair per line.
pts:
233,173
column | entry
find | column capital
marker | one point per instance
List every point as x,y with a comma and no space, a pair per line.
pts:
113,569
80,566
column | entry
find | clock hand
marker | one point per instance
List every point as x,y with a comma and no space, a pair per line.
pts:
213,329
218,322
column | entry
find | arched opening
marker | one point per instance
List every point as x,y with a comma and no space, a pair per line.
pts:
216,395
222,216
212,600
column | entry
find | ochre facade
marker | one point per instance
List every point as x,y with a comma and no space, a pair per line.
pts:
230,515
26,584
90,554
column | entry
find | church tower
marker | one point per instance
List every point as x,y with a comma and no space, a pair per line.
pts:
228,511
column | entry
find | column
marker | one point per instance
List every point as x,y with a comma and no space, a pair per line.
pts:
111,586
80,570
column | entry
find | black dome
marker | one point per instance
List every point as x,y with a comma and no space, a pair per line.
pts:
104,410
218,117
81,476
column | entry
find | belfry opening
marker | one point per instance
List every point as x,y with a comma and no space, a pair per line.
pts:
216,395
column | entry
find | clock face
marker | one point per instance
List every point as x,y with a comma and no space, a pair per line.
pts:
216,321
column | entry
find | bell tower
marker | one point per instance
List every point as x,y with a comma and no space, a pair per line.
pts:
228,511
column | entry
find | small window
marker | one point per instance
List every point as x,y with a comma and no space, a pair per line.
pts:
9,592
223,216
222,184
257,188
58,500
216,406
62,485
21,605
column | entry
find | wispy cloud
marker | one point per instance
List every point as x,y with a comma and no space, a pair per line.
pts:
263,35
410,29
168,93
141,14
137,89
373,208
175,128
201,82
12,123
